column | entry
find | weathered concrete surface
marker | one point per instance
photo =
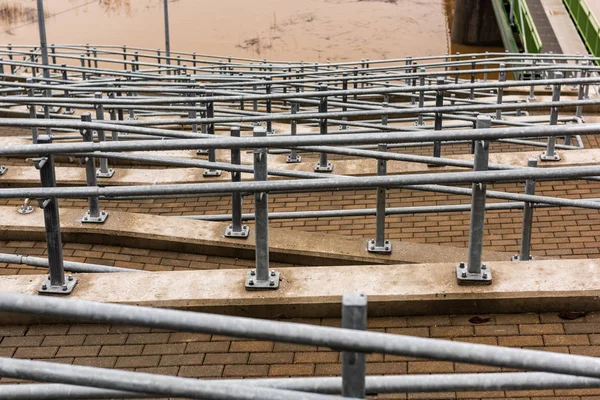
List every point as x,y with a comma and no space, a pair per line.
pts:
564,29
203,237
393,290
29,176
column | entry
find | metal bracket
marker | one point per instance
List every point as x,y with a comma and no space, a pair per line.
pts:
372,248
230,233
211,172
108,174
288,160
273,131
516,258
88,219
67,288
69,111
545,157
3,169
202,151
254,284
54,109
327,168
464,277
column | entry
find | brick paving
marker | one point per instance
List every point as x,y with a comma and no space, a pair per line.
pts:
214,356
565,233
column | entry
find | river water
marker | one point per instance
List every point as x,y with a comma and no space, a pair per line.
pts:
305,30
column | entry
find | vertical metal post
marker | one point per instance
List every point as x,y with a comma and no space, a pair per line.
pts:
32,112
103,171
93,215
261,278
421,95
125,57
526,225
472,90
501,78
55,281
95,53
268,105
210,113
323,165
485,74
192,113
167,38
532,87
43,42
113,117
53,52
550,154
581,90
83,74
476,272
344,99
10,57
293,157
237,229
354,316
379,244
457,67
439,102
68,110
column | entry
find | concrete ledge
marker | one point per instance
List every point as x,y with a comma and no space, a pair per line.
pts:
393,290
204,237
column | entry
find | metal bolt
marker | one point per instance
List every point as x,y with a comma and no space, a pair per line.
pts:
252,272
461,265
483,266
64,288
272,273
464,275
484,275
271,282
70,278
251,282
44,287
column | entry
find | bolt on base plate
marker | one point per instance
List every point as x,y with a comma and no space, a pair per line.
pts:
88,219
3,169
372,248
254,284
291,160
546,157
229,232
67,288
212,172
464,277
25,209
327,168
107,174
516,258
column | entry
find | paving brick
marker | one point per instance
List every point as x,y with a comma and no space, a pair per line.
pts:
541,329
35,352
226,358
318,357
582,328
137,361
126,350
207,347
271,358
201,371
450,331
66,340
184,337
250,346
430,367
100,362
21,341
78,351
291,369
520,341
245,371
147,338
105,339
170,348
566,340
182,359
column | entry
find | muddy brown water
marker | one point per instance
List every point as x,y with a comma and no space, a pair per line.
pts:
301,30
